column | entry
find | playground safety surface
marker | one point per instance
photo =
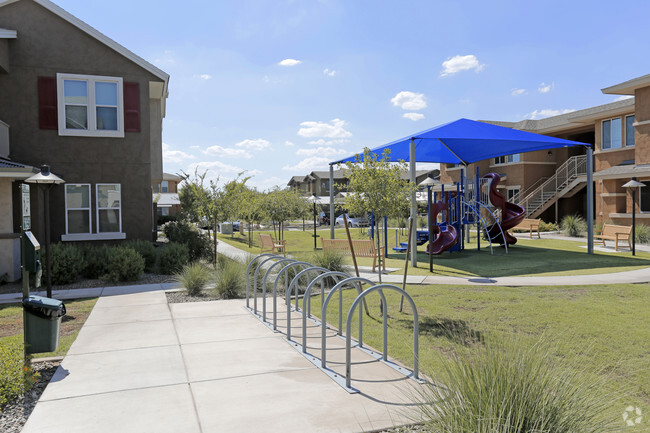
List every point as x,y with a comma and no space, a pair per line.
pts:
141,365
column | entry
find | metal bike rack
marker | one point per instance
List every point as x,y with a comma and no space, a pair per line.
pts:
248,273
306,310
255,279
275,287
294,283
266,275
348,335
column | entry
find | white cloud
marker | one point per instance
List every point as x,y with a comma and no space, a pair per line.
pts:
545,88
409,100
195,147
517,92
323,151
288,143
323,142
309,164
205,77
460,63
268,183
215,166
329,72
174,156
413,116
289,62
540,114
623,98
334,129
259,144
227,152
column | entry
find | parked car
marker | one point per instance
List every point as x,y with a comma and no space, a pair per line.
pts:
352,221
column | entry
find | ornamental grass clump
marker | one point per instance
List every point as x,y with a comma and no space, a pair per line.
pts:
195,277
508,386
642,234
573,225
230,280
329,259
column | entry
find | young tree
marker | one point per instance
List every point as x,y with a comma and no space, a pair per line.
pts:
376,185
282,205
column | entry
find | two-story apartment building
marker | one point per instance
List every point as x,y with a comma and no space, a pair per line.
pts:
91,109
551,183
165,195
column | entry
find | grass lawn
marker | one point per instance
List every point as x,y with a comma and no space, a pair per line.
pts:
11,323
606,327
536,257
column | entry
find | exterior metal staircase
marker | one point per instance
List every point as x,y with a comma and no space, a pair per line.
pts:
569,178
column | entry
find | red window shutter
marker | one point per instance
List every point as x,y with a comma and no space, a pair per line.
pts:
47,108
131,107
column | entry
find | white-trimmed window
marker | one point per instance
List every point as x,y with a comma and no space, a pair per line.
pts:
512,192
164,186
109,208
612,137
90,105
629,131
506,159
77,208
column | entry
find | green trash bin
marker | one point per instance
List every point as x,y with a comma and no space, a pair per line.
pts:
42,321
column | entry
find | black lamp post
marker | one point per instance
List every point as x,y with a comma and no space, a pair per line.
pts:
314,199
634,185
49,180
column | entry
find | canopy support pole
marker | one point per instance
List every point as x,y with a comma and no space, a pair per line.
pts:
590,200
331,201
414,205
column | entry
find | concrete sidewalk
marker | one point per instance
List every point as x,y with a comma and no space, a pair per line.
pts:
141,365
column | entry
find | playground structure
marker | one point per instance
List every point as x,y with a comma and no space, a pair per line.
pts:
477,203
293,275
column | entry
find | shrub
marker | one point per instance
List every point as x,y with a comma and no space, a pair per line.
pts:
15,376
641,233
231,280
329,259
123,264
509,386
95,261
194,277
172,258
547,227
573,225
182,232
67,263
163,219
147,250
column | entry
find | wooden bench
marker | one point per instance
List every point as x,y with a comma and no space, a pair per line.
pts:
529,224
362,248
268,244
615,233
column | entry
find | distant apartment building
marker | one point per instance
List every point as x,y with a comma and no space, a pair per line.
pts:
551,183
318,182
165,195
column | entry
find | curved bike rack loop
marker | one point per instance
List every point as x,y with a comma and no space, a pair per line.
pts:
275,287
306,310
338,288
255,276
294,282
348,335
266,274
248,273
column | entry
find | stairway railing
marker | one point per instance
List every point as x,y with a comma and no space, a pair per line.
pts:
572,168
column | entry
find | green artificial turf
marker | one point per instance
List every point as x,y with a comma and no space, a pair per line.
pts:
536,257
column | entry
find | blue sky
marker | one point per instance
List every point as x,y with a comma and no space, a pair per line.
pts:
279,88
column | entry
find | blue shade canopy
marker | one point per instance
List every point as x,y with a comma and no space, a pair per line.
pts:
467,141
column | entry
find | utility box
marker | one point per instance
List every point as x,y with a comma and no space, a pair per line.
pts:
42,321
32,252
225,228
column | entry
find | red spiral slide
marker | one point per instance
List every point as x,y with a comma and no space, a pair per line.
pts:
511,214
447,238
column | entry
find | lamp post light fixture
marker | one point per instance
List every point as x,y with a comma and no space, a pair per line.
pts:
314,198
45,177
429,182
634,185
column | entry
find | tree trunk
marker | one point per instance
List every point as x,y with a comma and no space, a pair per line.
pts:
377,237
215,243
